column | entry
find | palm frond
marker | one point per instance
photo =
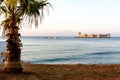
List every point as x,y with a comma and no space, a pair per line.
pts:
31,10
1,1
4,9
11,3
23,6
35,10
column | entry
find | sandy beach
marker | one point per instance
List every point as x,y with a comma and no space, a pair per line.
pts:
64,72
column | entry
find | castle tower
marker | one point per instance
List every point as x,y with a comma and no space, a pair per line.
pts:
79,34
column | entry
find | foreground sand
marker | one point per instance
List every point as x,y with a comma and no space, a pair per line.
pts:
64,72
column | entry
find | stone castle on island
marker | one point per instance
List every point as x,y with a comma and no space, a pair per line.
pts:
80,35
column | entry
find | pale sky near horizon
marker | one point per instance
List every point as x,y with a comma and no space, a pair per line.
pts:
72,16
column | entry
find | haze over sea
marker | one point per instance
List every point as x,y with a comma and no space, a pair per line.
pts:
70,50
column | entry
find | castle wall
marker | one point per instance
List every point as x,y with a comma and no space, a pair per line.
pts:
93,35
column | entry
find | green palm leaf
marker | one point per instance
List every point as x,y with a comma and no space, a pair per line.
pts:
35,10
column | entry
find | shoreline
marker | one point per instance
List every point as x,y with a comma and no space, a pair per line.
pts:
65,72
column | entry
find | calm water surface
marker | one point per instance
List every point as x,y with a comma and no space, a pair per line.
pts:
70,50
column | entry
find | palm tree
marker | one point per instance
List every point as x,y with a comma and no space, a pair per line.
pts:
15,11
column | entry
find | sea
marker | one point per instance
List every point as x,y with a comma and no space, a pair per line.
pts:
68,50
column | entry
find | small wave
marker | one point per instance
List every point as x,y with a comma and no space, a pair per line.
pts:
94,58
34,45
53,60
104,53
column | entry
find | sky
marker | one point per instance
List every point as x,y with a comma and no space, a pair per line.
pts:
68,17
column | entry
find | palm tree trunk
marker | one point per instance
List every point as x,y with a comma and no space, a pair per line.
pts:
13,64
13,54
